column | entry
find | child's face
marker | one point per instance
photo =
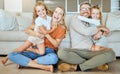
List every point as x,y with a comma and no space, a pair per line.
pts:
95,13
58,14
41,11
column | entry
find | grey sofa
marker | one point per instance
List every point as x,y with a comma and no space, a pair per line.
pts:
13,35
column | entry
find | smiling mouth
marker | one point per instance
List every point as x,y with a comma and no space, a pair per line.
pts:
55,18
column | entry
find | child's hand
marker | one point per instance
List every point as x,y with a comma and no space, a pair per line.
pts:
105,33
97,36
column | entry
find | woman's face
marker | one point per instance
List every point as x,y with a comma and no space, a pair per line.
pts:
58,14
41,11
95,13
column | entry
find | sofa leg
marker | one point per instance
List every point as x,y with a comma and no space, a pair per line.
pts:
3,55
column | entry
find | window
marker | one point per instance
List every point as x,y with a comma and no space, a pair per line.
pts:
52,4
115,5
72,6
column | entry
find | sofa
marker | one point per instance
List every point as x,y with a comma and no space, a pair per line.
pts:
12,26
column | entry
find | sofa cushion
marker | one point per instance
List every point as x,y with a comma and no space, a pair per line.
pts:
113,21
114,36
23,21
8,21
13,36
104,18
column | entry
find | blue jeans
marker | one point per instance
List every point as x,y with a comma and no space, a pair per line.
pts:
23,58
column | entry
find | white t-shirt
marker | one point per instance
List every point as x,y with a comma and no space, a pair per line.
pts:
43,22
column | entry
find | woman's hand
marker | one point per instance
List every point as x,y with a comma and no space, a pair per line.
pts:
39,35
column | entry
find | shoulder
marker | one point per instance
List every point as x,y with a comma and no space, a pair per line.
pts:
75,21
74,18
60,29
38,18
49,16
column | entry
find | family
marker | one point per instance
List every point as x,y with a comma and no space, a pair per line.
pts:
88,41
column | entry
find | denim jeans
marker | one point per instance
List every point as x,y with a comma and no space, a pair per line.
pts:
23,58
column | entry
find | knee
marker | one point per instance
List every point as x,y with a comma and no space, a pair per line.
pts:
12,55
42,53
62,54
54,58
111,54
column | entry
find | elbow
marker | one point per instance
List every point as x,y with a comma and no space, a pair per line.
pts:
57,45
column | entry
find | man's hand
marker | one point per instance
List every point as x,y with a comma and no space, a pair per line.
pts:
105,29
97,36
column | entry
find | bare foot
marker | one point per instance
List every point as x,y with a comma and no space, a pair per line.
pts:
18,66
49,68
4,60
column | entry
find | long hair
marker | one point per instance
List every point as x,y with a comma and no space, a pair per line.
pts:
62,22
98,8
48,12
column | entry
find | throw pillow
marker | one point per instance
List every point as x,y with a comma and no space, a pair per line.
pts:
113,22
23,22
8,21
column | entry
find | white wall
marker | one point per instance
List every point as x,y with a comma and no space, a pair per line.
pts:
27,5
13,5
19,5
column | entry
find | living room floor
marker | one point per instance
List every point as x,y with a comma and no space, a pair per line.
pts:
11,68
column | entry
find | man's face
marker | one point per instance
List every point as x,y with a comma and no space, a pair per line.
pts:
85,10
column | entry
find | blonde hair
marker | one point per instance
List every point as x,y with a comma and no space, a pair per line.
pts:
98,8
62,22
48,12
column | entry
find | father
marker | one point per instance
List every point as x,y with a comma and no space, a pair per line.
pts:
81,44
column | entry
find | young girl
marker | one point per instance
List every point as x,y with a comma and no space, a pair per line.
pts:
42,25
100,41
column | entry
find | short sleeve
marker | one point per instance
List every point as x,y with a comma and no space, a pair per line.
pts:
38,22
60,33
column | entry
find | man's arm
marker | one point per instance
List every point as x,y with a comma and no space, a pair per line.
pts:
81,27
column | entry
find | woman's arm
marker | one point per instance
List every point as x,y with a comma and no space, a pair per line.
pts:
55,42
30,31
44,31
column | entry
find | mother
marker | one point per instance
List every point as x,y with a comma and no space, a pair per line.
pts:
52,41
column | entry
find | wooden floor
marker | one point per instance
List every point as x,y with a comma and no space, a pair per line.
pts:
11,68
